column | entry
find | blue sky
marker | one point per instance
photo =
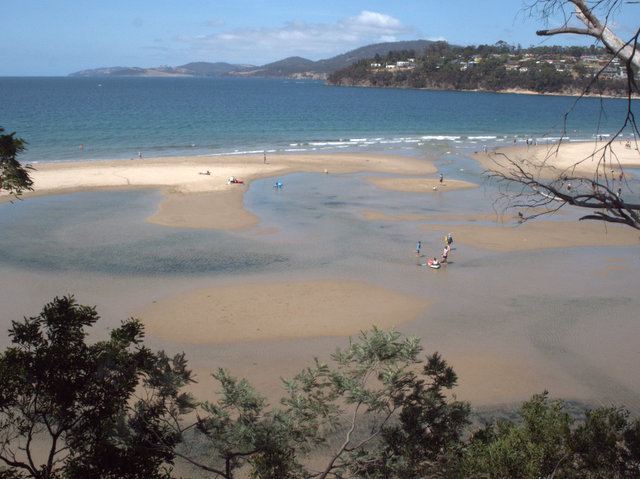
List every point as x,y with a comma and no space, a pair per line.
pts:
58,37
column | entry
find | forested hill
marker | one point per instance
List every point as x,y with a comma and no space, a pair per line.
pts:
496,68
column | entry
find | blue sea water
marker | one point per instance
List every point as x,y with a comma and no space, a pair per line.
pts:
67,119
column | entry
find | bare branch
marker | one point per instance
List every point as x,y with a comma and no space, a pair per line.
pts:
587,193
557,31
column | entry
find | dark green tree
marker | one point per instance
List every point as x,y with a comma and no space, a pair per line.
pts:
425,439
70,409
14,177
607,444
535,448
546,442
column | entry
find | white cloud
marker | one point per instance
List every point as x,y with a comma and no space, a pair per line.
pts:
311,40
214,23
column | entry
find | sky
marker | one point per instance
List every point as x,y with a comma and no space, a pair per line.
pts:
58,37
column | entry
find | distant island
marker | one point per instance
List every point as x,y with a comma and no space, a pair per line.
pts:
424,64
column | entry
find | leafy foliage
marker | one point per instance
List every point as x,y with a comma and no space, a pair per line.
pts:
75,401
14,178
398,421
375,399
544,444
241,430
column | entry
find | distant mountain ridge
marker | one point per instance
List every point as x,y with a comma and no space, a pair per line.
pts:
195,69
292,67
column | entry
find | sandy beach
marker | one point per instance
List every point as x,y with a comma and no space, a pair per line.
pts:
579,158
196,200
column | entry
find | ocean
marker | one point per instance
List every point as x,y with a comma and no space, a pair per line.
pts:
69,119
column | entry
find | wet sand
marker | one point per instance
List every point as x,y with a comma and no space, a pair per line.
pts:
540,235
549,161
419,185
508,234
278,311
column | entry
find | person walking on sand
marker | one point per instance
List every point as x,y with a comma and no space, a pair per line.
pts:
418,246
441,177
264,159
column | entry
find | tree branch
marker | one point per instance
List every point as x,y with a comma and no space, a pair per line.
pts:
561,30
202,466
344,445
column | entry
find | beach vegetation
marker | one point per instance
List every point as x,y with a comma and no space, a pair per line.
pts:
375,410
240,431
14,177
77,410
546,441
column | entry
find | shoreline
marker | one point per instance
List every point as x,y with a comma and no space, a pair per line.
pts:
509,91
193,199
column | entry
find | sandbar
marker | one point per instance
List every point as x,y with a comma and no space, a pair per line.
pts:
507,233
193,199
419,185
538,235
278,310
577,158
373,215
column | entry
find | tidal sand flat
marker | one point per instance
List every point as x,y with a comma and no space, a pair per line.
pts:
278,311
511,323
419,185
511,320
540,235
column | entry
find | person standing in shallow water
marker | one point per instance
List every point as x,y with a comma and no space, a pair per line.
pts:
418,246
445,253
441,177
